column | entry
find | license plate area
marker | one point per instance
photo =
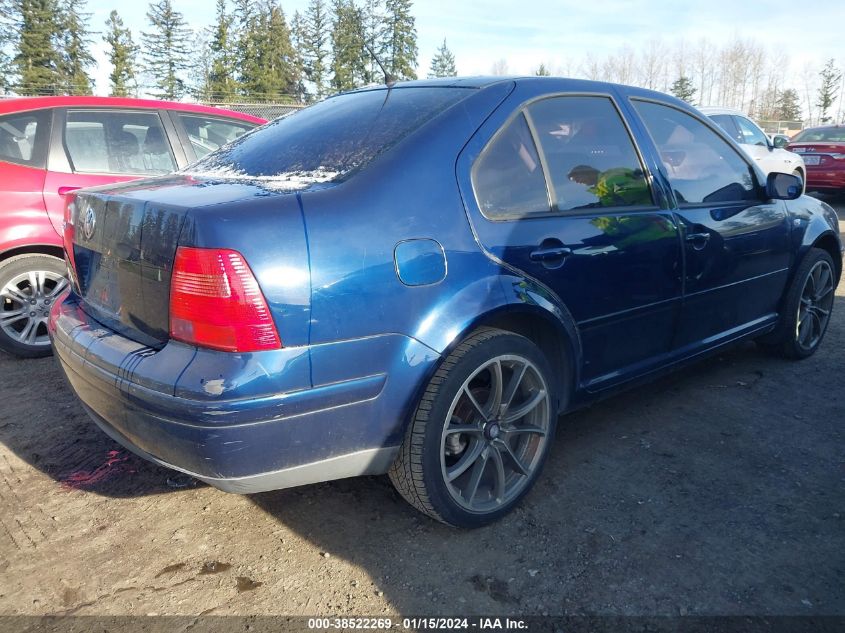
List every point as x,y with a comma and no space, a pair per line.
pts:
812,160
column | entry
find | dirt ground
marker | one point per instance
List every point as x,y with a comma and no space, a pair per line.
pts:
717,491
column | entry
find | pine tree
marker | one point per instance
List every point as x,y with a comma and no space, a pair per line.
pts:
542,71
122,55
349,66
246,28
376,37
788,106
315,42
74,45
683,88
36,60
221,77
401,35
830,76
277,54
269,69
443,63
7,39
166,50
297,38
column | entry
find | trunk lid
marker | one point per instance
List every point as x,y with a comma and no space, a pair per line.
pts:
125,240
818,154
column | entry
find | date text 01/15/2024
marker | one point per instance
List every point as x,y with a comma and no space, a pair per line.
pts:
421,623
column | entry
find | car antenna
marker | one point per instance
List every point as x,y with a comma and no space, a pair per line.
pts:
389,80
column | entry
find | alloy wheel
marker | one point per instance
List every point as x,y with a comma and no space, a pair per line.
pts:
815,305
495,437
25,303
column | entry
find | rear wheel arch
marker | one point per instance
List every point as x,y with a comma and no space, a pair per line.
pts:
557,339
33,249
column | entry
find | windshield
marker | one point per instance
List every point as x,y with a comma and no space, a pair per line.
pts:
821,134
327,141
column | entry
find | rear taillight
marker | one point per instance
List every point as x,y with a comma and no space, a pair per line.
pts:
215,302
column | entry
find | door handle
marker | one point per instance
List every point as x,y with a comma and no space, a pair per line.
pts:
697,237
549,254
63,191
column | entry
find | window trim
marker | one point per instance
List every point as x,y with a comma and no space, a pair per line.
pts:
714,127
62,129
551,195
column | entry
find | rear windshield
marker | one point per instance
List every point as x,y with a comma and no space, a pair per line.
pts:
329,140
824,134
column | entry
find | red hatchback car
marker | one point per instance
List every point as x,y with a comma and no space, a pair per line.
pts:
50,146
823,150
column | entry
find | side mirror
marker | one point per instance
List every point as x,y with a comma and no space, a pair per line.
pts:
780,141
783,186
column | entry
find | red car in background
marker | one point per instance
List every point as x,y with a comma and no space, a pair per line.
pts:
50,146
823,150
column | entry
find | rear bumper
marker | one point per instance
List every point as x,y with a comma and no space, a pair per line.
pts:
825,178
243,423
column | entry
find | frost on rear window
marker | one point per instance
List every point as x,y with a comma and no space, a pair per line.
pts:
328,141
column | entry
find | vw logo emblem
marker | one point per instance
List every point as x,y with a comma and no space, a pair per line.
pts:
89,223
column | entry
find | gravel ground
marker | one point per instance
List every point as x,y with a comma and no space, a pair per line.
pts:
718,490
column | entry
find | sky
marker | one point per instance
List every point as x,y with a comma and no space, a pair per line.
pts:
560,33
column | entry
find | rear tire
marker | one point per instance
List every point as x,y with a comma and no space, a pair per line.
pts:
480,433
29,285
806,309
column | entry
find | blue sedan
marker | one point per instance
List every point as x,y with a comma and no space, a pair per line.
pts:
420,279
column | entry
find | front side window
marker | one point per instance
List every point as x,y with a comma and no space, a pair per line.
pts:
207,134
751,134
108,142
591,159
508,177
23,137
702,167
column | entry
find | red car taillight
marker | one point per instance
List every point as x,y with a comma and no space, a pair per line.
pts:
215,302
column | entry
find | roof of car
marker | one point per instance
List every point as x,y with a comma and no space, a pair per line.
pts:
23,104
562,84
824,127
708,110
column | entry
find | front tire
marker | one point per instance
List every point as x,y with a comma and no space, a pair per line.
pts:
807,308
480,433
29,285
799,174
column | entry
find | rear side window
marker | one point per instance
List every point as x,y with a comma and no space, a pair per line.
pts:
726,122
109,142
333,138
590,157
702,167
208,134
508,177
23,138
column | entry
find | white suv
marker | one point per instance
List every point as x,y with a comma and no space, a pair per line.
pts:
769,154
